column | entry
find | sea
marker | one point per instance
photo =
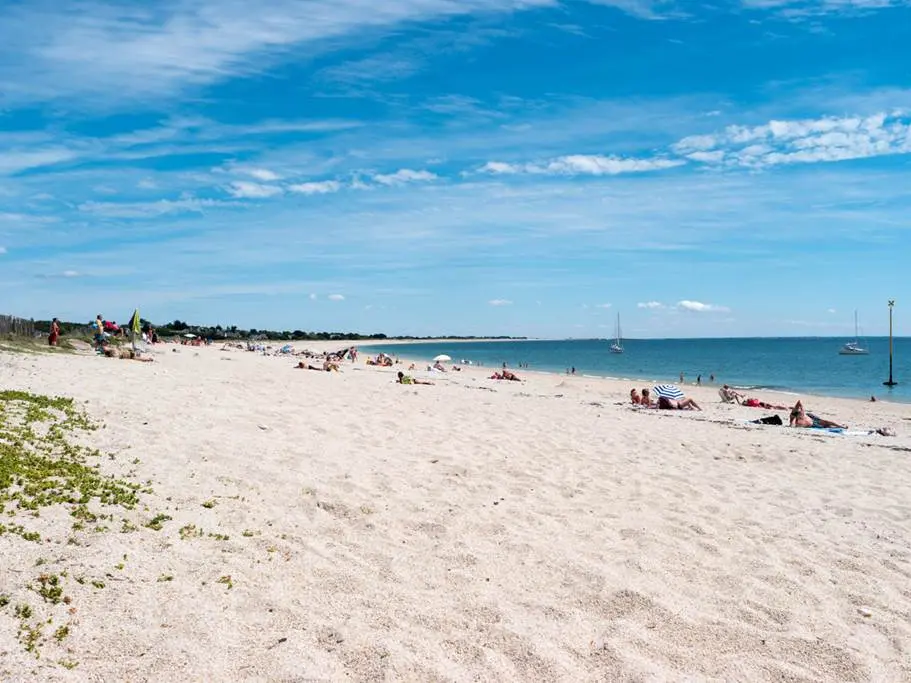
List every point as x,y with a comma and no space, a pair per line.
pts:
790,364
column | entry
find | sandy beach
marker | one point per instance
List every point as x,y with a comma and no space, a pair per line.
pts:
338,526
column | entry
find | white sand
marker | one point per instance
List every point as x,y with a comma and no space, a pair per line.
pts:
471,530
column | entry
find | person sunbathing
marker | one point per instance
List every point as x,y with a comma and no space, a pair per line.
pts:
634,397
684,403
307,366
756,403
408,379
646,399
729,395
124,354
438,366
801,418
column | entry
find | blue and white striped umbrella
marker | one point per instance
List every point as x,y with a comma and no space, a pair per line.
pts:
671,391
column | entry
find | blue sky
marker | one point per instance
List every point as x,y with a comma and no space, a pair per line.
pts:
527,167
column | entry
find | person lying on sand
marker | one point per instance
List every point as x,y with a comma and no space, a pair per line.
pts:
684,403
505,374
408,379
756,403
307,366
634,397
646,399
801,418
124,354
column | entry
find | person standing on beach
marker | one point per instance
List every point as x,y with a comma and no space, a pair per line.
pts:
698,380
681,378
55,333
99,331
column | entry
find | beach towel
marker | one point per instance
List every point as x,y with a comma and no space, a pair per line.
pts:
770,420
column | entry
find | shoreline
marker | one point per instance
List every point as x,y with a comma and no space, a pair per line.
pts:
777,390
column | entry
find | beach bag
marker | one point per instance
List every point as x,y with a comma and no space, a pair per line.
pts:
770,420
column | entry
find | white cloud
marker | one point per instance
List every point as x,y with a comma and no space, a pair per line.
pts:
699,307
16,161
151,209
263,174
500,302
603,305
241,189
499,167
650,305
92,48
2,251
324,187
313,297
831,310
336,297
71,273
147,184
582,164
405,175
799,9
600,165
801,141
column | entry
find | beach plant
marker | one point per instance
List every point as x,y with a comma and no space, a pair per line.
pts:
190,531
226,580
42,464
157,522
49,588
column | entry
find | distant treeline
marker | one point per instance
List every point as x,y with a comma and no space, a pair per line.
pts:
179,327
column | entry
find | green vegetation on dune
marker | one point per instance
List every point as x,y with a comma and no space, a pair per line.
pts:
43,464
40,465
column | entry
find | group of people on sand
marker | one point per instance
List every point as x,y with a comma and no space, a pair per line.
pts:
799,417
663,403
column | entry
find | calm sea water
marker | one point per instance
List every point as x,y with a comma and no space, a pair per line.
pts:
810,365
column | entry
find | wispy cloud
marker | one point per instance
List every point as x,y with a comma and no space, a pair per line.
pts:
2,250
582,164
16,161
603,305
263,174
500,302
405,175
652,305
151,209
336,297
242,189
700,307
322,187
800,9
118,49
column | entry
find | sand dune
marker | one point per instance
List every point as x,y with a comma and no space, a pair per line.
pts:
471,530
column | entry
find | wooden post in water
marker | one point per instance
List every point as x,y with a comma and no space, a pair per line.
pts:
890,382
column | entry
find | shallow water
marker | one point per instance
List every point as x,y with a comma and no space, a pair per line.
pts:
809,365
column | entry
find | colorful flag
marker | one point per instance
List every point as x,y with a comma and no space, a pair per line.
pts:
134,322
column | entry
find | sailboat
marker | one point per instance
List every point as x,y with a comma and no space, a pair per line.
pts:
853,348
617,345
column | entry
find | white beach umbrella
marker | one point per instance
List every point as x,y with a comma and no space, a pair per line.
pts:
442,358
